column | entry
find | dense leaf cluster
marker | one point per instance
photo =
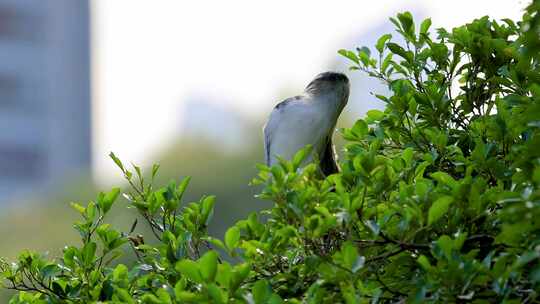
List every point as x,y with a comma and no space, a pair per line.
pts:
438,199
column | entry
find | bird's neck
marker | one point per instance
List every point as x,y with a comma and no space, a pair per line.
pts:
328,102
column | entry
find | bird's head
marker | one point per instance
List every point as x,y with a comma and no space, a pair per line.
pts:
329,83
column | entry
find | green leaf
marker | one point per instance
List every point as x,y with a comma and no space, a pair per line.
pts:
408,156
89,253
190,270
300,156
374,115
382,41
155,201
445,179
349,253
277,174
109,199
179,287
138,171
360,128
78,208
232,238
70,253
384,66
398,50
424,262
122,296
208,265
90,212
419,171
364,55
207,207
216,294
189,297
350,55
216,242
446,244
275,299
412,107
224,274
155,169
182,187
49,270
439,208
439,53
59,287
353,261
164,296
424,27
117,161
102,232
239,274
149,298
120,272
407,24
261,292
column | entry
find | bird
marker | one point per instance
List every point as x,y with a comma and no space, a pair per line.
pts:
308,119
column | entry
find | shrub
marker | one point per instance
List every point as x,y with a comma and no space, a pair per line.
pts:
438,199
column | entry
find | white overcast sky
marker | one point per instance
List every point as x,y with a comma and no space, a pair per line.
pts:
150,55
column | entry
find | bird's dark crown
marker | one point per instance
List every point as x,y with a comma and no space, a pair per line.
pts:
328,82
332,77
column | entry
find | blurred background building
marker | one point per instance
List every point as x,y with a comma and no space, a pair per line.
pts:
44,93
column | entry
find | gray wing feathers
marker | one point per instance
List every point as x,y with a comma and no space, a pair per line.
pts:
269,130
271,126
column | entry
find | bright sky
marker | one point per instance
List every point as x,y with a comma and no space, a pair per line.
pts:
150,55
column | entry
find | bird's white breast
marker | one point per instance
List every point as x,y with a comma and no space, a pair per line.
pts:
296,125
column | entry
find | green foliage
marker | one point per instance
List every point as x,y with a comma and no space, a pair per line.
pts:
438,199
